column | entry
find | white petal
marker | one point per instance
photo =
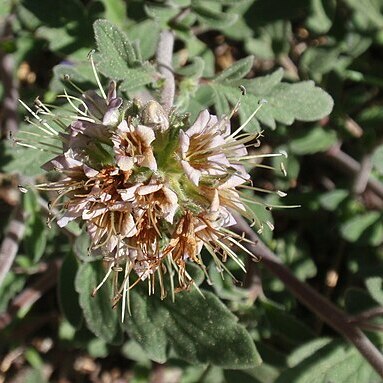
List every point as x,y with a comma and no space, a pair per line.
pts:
89,172
146,134
129,193
148,189
125,163
193,174
89,214
184,143
128,228
199,124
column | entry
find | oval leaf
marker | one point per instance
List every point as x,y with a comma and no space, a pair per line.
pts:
101,319
195,328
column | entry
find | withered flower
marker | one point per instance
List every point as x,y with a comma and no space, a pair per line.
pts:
151,190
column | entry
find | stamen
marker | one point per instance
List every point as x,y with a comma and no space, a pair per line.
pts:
96,74
243,126
38,118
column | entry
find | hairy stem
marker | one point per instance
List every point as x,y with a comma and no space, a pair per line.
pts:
164,61
328,312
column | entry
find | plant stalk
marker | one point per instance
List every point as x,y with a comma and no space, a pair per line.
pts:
315,302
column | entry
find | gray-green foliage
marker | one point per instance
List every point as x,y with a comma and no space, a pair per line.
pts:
286,54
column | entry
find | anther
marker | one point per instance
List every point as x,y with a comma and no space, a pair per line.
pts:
22,189
243,90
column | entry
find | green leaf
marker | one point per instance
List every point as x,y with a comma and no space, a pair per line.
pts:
80,73
147,34
334,362
318,61
302,101
368,12
194,69
315,140
237,71
285,325
332,199
117,57
11,285
285,102
375,288
213,18
68,296
271,41
24,161
100,317
66,25
365,228
321,16
195,328
35,237
115,11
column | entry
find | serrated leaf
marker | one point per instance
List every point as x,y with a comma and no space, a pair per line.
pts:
117,57
100,317
375,288
285,102
68,296
365,228
196,329
260,86
271,41
237,71
302,101
315,140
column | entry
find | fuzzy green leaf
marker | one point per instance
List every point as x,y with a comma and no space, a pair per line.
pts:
100,317
194,328
212,17
332,199
286,103
333,362
68,296
237,71
117,57
375,288
35,237
321,15
312,141
366,228
147,34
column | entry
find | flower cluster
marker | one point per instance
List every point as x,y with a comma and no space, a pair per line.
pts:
151,188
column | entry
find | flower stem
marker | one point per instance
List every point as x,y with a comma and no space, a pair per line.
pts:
327,311
164,61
